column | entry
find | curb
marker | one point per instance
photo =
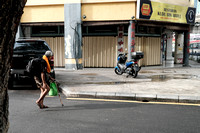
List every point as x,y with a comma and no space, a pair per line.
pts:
135,97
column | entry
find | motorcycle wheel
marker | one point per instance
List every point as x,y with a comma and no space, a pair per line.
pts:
118,72
134,73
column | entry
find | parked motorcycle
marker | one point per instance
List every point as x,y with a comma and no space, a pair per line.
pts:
131,67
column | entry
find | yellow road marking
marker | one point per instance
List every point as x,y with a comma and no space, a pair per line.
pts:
129,101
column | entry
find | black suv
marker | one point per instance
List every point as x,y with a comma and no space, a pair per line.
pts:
25,50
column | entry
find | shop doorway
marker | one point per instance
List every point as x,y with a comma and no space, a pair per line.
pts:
172,48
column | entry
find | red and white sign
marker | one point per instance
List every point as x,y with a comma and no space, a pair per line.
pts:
120,40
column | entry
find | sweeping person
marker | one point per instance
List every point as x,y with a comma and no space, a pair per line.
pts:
42,78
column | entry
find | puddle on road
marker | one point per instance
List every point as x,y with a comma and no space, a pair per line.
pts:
91,77
159,78
88,74
145,71
110,83
162,78
153,78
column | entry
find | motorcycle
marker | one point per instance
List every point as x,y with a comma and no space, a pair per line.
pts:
131,67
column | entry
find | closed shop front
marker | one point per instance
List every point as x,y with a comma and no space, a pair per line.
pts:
102,51
57,46
99,51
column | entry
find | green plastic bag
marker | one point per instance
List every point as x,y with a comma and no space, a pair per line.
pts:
53,89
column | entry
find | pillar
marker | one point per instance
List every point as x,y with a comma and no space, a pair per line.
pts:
169,45
73,35
131,39
179,43
186,48
26,33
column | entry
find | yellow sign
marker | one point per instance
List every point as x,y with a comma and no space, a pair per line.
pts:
165,12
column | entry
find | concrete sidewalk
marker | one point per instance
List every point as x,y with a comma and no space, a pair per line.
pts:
176,84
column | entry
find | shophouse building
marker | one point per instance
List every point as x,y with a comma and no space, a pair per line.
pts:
91,33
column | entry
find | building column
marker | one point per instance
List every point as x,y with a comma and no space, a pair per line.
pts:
179,43
169,45
186,48
131,39
73,35
19,33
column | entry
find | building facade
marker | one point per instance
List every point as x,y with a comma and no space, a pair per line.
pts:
195,29
91,33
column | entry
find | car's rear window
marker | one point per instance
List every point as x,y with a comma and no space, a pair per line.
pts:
32,45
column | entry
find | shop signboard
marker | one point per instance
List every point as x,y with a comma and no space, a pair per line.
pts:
151,10
120,40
